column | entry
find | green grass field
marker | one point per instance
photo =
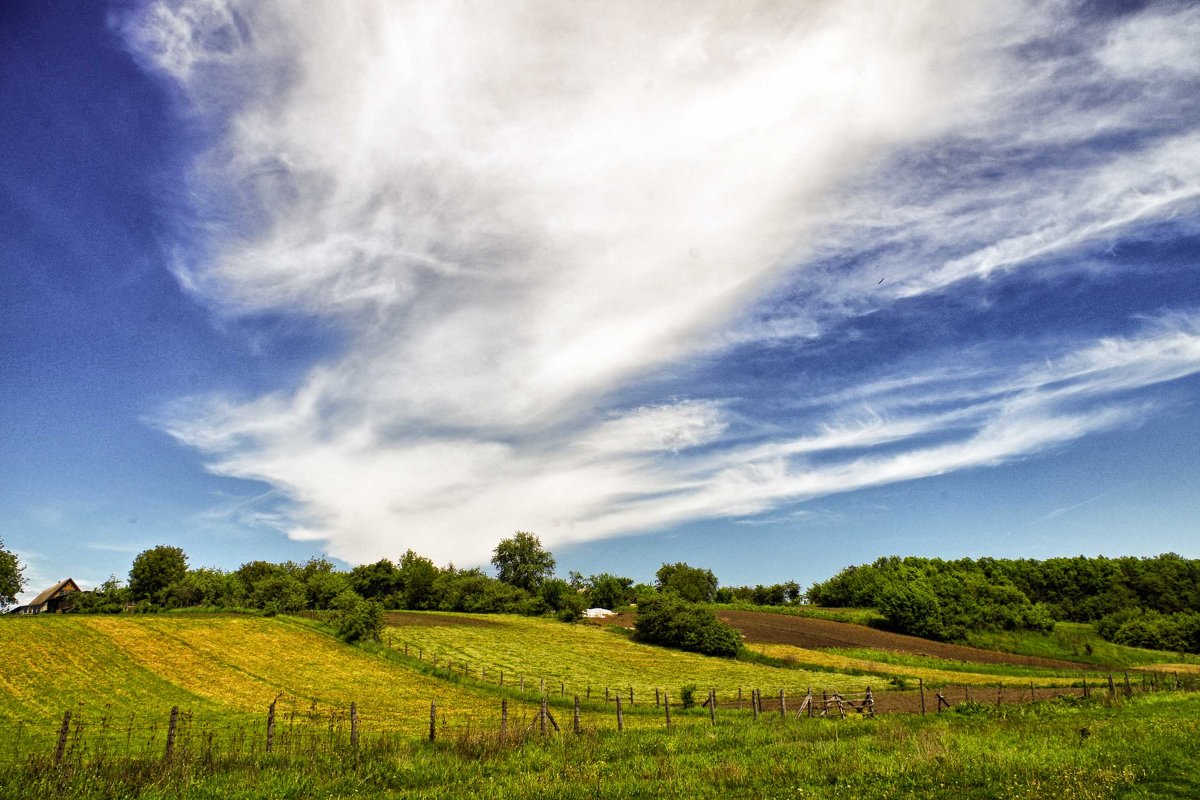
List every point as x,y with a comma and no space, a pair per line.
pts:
1073,641
572,658
120,676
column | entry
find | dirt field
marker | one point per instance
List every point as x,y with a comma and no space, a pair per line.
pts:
817,633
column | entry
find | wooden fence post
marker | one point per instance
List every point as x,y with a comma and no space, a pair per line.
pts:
999,693
575,723
606,697
1032,693
354,725
562,688
63,731
1111,689
1128,691
171,726
432,720
754,703
808,701
522,684
620,717
921,685
657,701
501,679
712,706
667,706
631,697
542,718
739,698
782,705
271,725
1085,687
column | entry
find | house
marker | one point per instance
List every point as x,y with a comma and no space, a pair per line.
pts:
52,601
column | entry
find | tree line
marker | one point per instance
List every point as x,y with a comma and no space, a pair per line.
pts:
1142,602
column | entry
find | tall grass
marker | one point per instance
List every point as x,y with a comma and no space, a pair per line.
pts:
1105,748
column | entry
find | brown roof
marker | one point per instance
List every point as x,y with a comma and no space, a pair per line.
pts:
54,590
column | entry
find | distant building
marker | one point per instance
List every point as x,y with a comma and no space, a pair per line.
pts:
54,600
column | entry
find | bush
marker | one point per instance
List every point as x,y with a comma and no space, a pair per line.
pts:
357,619
670,621
687,695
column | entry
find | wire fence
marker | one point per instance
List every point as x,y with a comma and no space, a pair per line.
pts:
294,729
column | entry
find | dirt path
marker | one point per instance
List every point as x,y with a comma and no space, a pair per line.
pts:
764,628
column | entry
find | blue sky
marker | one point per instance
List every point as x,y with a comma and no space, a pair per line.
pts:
770,291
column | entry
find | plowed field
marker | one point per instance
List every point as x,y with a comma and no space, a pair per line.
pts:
765,628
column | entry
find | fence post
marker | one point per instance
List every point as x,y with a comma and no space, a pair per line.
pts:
667,706
999,693
502,679
542,718
542,687
921,685
271,725
575,722
657,701
739,698
503,717
808,701
171,731
620,717
712,706
65,729
631,697
1128,691
754,703
354,725
1085,687
432,720
562,688
1032,692
782,705
606,697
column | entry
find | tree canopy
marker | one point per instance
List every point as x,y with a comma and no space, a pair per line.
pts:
693,584
521,561
154,570
12,577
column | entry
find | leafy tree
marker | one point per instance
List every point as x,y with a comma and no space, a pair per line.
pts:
521,561
376,581
693,584
154,570
417,578
109,597
205,586
279,593
12,577
668,620
610,591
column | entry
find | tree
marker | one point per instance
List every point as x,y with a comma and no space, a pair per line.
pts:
610,591
12,577
417,577
693,584
521,561
154,570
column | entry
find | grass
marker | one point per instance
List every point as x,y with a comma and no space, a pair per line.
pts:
1079,642
582,656
218,667
857,616
939,673
1142,748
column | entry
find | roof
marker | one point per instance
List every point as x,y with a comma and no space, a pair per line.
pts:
53,590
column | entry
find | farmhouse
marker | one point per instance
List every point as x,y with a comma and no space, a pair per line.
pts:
52,601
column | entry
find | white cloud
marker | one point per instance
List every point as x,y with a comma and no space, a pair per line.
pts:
518,212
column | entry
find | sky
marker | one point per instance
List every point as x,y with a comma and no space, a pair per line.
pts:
769,288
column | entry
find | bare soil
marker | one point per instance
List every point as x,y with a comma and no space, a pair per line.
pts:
765,628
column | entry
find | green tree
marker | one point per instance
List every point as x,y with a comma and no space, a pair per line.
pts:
418,576
521,561
12,577
357,619
610,591
154,570
693,584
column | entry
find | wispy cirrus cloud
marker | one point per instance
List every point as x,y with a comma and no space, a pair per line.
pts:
523,216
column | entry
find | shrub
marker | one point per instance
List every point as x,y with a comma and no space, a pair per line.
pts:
670,621
357,619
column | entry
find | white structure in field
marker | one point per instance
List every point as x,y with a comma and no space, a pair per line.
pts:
597,613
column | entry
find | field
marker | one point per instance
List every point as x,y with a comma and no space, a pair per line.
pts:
121,675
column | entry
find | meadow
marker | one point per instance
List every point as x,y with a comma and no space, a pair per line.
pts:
121,675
